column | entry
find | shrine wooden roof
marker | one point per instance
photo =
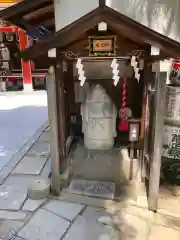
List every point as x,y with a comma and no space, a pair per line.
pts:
36,17
31,15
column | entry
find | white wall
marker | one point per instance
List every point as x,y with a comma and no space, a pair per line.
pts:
162,16
68,11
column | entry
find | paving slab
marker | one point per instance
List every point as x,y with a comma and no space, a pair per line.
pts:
20,181
12,163
30,165
142,201
87,226
11,198
48,129
47,168
17,238
169,205
166,220
5,157
165,233
64,209
44,225
17,121
40,149
14,192
12,215
9,228
32,205
139,212
45,137
134,228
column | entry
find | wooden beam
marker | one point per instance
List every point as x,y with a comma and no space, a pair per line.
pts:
50,24
30,29
22,8
62,38
82,46
39,13
39,20
119,22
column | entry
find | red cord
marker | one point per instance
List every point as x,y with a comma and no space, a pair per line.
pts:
123,123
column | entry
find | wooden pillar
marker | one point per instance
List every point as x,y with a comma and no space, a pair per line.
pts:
52,93
143,121
26,65
147,74
61,108
56,110
158,123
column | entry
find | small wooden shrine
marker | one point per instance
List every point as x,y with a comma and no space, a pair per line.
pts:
94,40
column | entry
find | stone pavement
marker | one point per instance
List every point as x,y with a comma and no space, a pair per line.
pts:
71,216
18,122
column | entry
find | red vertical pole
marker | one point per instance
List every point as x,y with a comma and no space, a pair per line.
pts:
26,66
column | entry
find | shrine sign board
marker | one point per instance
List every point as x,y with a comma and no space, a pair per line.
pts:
102,46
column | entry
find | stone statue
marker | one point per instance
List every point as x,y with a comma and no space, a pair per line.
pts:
98,120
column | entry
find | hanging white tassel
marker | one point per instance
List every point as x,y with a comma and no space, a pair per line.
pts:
81,73
134,64
115,71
